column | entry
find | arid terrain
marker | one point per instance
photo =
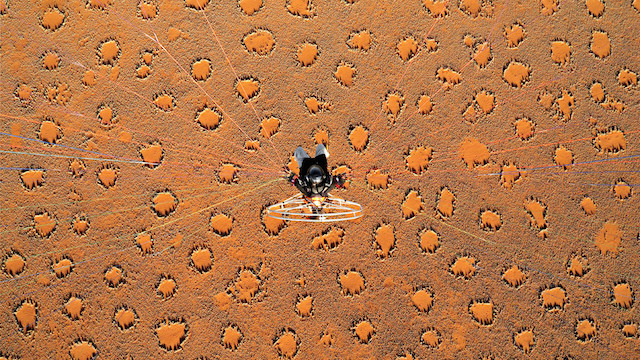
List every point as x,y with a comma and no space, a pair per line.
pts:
493,145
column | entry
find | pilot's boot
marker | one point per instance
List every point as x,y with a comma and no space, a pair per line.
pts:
321,150
300,155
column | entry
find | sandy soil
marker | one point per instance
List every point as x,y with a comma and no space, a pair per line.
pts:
493,146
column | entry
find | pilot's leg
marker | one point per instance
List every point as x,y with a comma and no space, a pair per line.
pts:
300,155
321,150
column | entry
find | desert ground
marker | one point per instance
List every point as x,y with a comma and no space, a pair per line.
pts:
493,146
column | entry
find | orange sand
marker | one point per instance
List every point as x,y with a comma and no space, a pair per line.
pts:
485,141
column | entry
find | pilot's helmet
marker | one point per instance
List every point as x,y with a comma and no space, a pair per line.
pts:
315,175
